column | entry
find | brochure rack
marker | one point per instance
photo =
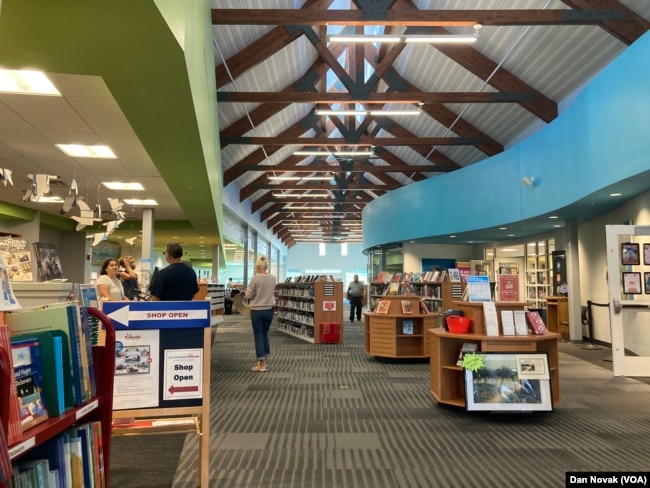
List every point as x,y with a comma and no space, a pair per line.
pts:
179,360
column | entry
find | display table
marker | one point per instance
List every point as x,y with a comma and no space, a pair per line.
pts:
447,379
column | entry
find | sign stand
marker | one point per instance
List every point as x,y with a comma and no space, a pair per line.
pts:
162,376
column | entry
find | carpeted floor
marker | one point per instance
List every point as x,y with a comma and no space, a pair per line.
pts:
331,416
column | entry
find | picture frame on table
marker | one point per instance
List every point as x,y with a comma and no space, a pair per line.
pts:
499,386
630,254
632,283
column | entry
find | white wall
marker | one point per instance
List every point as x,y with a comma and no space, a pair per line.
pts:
305,256
593,259
414,253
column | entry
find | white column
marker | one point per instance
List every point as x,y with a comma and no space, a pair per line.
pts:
573,281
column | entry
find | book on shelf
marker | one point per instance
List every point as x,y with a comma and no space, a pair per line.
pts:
49,264
508,322
491,319
454,275
383,306
536,322
397,277
466,348
54,452
423,307
520,322
407,326
434,276
29,383
61,317
407,307
57,380
442,277
393,288
17,257
14,430
76,461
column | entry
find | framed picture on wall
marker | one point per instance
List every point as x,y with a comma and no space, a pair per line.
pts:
629,253
646,277
103,251
632,283
646,254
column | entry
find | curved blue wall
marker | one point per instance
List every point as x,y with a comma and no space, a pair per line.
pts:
602,138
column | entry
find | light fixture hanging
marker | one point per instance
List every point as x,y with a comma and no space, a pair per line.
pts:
368,112
299,178
333,153
421,38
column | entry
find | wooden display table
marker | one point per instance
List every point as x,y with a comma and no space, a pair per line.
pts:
448,380
557,316
399,335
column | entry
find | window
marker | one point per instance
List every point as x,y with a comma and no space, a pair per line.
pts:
344,249
321,249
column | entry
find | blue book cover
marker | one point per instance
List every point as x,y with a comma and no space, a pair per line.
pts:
29,386
54,451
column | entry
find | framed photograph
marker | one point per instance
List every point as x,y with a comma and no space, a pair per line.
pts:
103,251
500,387
454,275
632,283
646,278
630,253
646,254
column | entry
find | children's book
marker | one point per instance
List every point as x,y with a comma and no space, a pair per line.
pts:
48,261
383,306
407,308
407,326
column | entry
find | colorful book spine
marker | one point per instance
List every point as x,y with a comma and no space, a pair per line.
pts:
14,431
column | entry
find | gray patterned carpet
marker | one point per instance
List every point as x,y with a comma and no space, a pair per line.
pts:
331,416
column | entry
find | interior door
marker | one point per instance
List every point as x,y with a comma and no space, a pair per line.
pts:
628,269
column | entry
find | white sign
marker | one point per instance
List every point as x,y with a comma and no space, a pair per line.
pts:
136,370
183,374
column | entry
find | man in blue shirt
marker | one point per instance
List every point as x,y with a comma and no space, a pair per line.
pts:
178,280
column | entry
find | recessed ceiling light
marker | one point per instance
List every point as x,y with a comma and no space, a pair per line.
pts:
557,225
615,194
138,202
118,185
26,82
503,228
81,151
554,217
452,237
51,199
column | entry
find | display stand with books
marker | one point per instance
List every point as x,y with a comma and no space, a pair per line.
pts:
396,334
88,418
447,376
303,307
162,371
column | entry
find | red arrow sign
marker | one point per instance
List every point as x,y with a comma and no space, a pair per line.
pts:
182,389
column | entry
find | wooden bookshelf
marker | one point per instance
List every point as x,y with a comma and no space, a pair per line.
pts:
557,316
385,333
98,409
303,307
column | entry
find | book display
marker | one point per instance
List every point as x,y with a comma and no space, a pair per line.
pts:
448,376
73,447
304,306
48,261
395,334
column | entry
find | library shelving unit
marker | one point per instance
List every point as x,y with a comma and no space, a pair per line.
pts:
216,293
437,295
396,334
98,409
539,274
303,307
448,380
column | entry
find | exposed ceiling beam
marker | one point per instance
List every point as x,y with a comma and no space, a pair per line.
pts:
361,141
404,17
286,97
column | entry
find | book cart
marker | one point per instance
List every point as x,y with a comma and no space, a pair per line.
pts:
304,308
447,378
162,371
96,409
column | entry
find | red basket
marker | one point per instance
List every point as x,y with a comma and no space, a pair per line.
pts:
330,332
457,324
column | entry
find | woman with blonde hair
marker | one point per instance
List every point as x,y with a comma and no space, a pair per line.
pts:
261,299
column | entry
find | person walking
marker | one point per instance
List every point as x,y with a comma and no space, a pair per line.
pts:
177,281
261,299
356,294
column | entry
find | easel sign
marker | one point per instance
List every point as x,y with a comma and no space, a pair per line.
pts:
163,353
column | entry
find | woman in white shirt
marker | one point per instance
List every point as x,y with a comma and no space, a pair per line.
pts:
108,286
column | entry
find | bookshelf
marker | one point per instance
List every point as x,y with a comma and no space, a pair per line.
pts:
539,274
557,316
97,409
438,295
216,293
302,307
387,335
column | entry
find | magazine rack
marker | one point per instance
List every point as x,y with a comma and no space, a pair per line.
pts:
97,409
